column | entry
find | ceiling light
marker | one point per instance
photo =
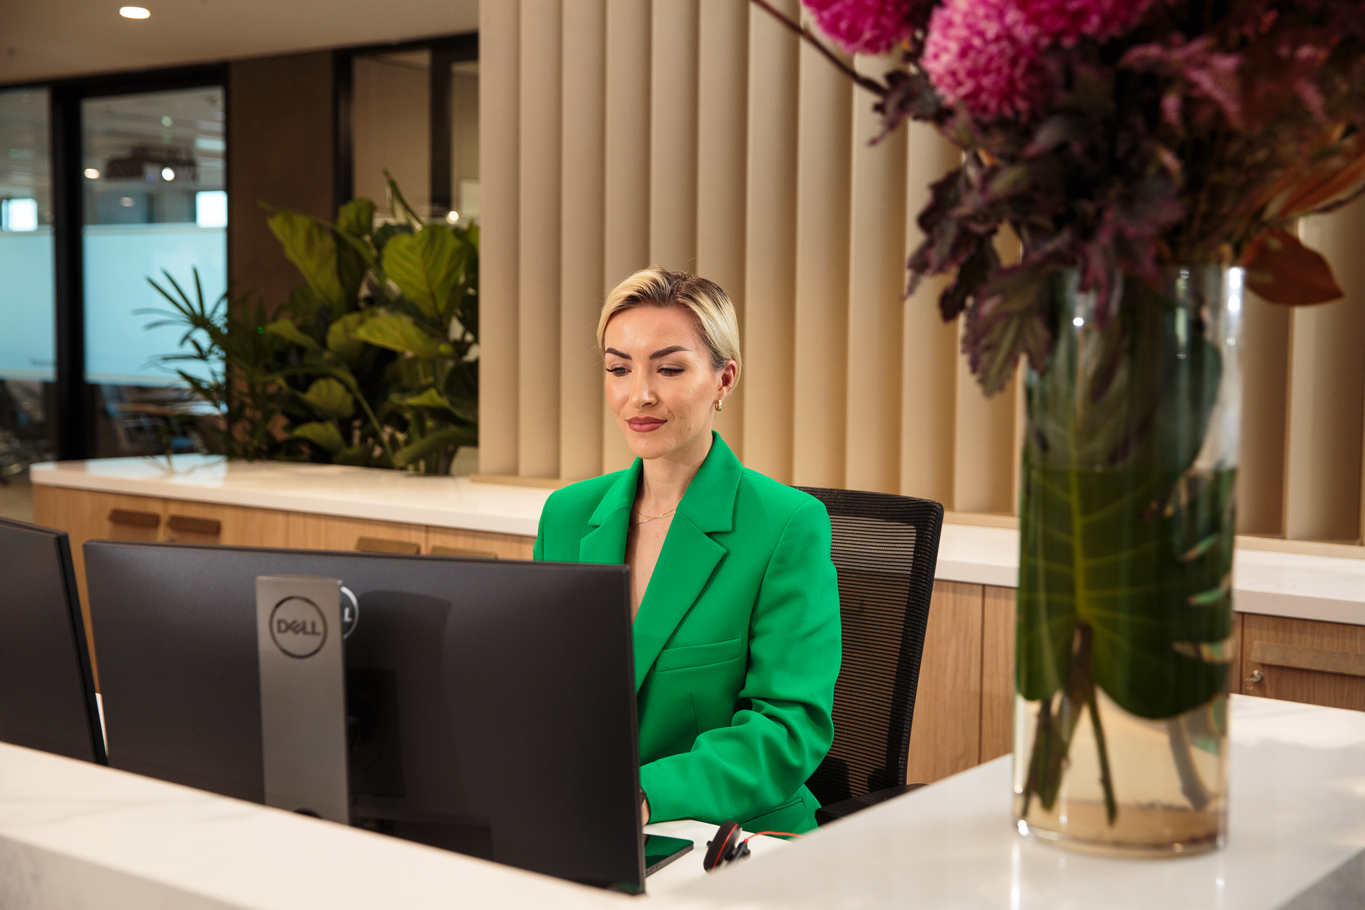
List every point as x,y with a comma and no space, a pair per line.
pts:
452,216
133,12
168,173
92,173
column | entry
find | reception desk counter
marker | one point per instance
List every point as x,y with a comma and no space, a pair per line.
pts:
1300,623
74,835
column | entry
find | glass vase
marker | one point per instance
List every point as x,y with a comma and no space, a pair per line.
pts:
1124,647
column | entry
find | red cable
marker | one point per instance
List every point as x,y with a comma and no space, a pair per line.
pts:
780,833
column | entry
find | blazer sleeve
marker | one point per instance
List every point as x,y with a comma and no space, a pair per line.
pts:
782,728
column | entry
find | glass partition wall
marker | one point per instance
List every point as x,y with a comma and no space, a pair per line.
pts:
414,112
154,206
27,308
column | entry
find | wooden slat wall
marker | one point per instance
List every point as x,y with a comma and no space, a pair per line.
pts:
699,134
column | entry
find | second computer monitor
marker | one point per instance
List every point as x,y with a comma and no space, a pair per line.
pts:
491,703
47,694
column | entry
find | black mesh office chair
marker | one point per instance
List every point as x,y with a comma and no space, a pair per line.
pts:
885,548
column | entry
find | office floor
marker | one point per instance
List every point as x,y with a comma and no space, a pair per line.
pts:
16,499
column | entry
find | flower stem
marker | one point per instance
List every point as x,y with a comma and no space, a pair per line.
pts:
872,85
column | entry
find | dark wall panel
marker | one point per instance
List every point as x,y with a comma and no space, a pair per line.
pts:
280,151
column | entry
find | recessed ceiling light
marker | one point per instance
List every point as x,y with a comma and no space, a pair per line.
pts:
133,12
167,173
452,216
92,173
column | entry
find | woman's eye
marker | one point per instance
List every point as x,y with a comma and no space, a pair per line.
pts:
617,371
670,371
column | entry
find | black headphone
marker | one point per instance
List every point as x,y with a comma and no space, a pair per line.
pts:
726,847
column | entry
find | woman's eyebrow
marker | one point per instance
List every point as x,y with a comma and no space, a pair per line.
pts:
618,353
664,352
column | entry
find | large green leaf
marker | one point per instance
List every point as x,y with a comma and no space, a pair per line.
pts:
433,399
389,330
355,217
330,399
323,434
341,337
425,266
309,244
1120,533
285,329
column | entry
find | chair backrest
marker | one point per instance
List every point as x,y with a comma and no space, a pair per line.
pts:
885,549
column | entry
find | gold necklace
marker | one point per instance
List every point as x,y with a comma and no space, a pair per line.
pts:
643,520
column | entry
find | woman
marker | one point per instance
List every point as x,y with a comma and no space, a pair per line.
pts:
734,599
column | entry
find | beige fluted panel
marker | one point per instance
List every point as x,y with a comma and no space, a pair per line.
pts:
499,63
876,262
673,135
822,276
538,367
581,227
1265,386
722,130
929,353
1327,391
626,203
770,252
984,453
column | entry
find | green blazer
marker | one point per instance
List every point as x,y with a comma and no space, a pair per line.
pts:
737,641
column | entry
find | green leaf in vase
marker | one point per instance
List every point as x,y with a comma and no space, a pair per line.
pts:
425,266
1122,531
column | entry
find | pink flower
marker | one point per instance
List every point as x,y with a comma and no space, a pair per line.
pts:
869,26
986,54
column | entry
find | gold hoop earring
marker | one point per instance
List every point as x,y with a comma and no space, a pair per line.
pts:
718,404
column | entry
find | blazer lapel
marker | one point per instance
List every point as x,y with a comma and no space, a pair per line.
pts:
689,555
606,543
685,565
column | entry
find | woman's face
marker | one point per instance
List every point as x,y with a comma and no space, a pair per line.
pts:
660,384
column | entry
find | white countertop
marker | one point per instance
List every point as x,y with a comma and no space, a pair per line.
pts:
1297,813
323,489
1324,588
77,835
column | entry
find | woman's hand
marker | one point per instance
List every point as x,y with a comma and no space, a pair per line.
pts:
644,811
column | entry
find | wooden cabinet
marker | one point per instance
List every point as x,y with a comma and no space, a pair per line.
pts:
945,733
997,672
1317,663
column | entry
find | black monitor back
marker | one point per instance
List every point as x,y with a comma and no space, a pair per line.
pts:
47,693
491,703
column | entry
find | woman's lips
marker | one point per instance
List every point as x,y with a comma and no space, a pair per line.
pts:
644,424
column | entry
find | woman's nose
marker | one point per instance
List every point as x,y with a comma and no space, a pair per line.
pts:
643,391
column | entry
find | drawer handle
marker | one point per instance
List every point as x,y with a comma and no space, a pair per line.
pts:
133,517
211,527
382,545
1321,659
460,551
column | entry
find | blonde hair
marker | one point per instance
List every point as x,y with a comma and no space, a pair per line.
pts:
709,305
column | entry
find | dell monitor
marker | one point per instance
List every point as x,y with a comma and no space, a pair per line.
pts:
491,704
47,691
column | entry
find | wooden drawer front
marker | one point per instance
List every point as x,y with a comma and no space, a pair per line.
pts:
478,544
1317,663
945,733
234,526
323,532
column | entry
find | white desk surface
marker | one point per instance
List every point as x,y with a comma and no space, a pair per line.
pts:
1297,814
74,835
1325,588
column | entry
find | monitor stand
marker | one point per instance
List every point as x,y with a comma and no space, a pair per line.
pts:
303,695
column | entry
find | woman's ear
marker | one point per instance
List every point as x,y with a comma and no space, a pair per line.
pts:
729,374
